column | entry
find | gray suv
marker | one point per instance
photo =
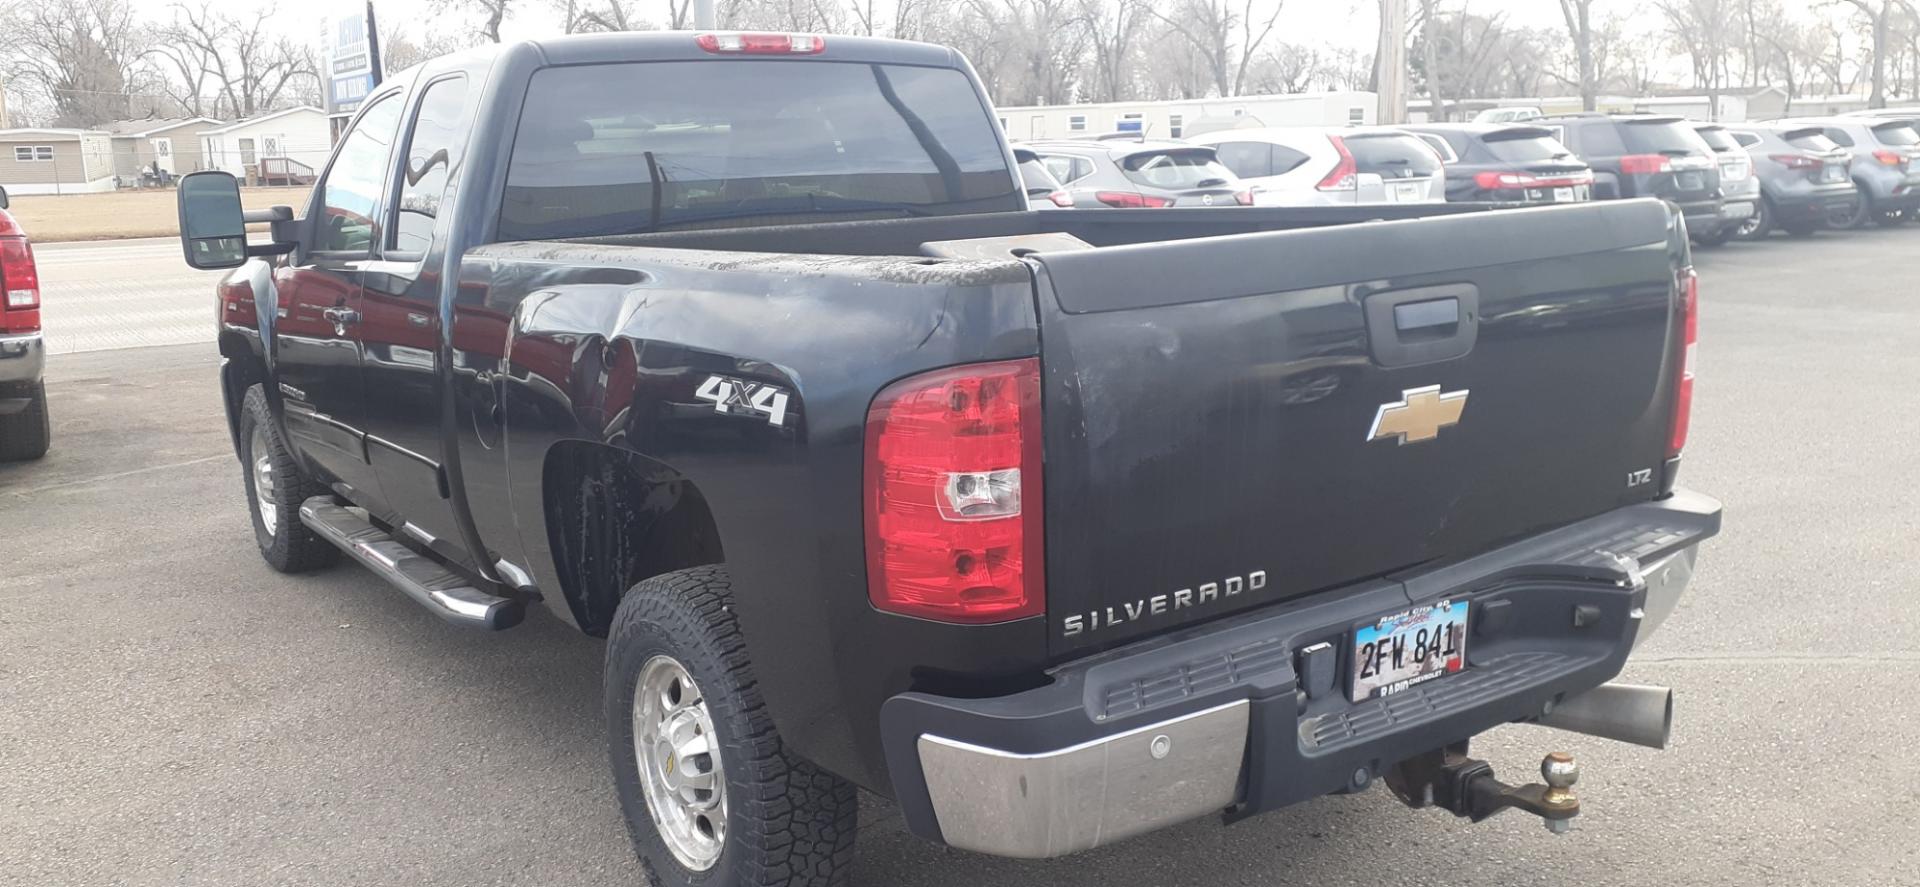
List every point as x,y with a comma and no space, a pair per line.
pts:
1886,165
1805,178
1136,173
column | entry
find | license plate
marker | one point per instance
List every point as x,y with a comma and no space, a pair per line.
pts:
1831,173
1689,181
1406,193
1562,195
1406,649
1736,210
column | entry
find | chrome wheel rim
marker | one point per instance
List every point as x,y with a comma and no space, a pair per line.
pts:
679,762
263,490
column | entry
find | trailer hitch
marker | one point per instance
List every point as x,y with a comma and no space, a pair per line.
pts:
1464,786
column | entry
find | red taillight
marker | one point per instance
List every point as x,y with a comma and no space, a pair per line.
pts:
1795,161
762,44
953,487
1890,158
19,287
1644,164
1346,174
1061,198
1130,200
1243,198
1689,284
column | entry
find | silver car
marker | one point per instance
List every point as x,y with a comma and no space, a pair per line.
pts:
1886,165
1137,173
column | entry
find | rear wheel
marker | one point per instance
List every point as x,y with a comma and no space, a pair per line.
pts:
1855,217
1758,225
276,487
25,434
1718,237
712,796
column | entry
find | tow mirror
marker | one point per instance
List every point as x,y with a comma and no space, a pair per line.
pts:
213,228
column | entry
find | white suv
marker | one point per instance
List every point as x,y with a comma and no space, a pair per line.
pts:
1331,166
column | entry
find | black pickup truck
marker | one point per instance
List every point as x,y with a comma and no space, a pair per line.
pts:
745,353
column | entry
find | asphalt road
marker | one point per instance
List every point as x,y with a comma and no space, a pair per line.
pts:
174,712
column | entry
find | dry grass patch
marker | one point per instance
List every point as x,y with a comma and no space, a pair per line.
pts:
146,213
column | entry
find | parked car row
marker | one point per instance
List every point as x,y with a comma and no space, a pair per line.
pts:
1729,180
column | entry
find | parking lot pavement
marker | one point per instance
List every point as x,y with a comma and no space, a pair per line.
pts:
174,712
121,294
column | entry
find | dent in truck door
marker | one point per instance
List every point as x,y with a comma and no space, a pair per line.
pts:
400,333
316,338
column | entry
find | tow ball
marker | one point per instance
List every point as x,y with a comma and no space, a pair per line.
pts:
1464,786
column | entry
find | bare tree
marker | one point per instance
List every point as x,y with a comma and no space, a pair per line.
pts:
84,55
1879,15
1112,29
491,12
248,67
1207,27
1703,29
1579,16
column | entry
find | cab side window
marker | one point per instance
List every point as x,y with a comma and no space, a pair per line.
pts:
433,153
350,196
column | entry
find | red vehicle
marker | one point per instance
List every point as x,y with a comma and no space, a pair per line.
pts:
24,430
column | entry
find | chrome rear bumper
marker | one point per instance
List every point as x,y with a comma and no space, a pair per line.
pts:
23,358
1033,806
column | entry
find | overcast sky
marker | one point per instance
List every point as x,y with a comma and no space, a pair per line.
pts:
1346,23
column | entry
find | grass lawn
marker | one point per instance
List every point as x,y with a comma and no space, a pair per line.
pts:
145,213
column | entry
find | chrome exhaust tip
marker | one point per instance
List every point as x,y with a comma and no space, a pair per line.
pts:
1632,713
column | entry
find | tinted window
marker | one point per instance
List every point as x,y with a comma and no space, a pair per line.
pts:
1286,159
1839,136
1662,138
1600,139
1034,175
1523,146
1440,147
1393,156
1896,134
1246,159
1718,139
1067,168
1811,140
433,151
350,199
1746,139
1176,169
606,149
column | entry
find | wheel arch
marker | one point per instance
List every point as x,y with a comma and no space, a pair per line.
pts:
615,518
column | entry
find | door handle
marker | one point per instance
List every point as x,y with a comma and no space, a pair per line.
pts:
341,316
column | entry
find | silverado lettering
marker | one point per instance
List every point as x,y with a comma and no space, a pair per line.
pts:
1204,593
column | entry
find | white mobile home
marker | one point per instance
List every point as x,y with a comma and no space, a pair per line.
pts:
1179,118
290,144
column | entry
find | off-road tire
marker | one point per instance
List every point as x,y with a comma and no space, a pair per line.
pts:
24,435
788,822
1719,237
290,547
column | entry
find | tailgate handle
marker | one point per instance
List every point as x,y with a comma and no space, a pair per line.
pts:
1423,324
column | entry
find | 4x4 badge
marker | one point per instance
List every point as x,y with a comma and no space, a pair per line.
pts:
1418,415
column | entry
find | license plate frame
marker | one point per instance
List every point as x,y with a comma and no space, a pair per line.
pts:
1405,192
1689,181
1424,655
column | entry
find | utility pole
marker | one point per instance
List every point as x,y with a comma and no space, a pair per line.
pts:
1390,61
703,14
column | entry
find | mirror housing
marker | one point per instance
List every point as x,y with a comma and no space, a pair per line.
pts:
213,228
5,202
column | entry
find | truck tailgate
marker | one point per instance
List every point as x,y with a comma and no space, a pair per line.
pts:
1225,417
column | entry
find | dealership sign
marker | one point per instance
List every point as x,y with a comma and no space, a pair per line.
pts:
353,58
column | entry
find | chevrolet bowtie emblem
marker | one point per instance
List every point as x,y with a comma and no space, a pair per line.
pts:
1418,415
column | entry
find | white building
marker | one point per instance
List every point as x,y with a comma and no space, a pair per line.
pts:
290,145
1179,118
